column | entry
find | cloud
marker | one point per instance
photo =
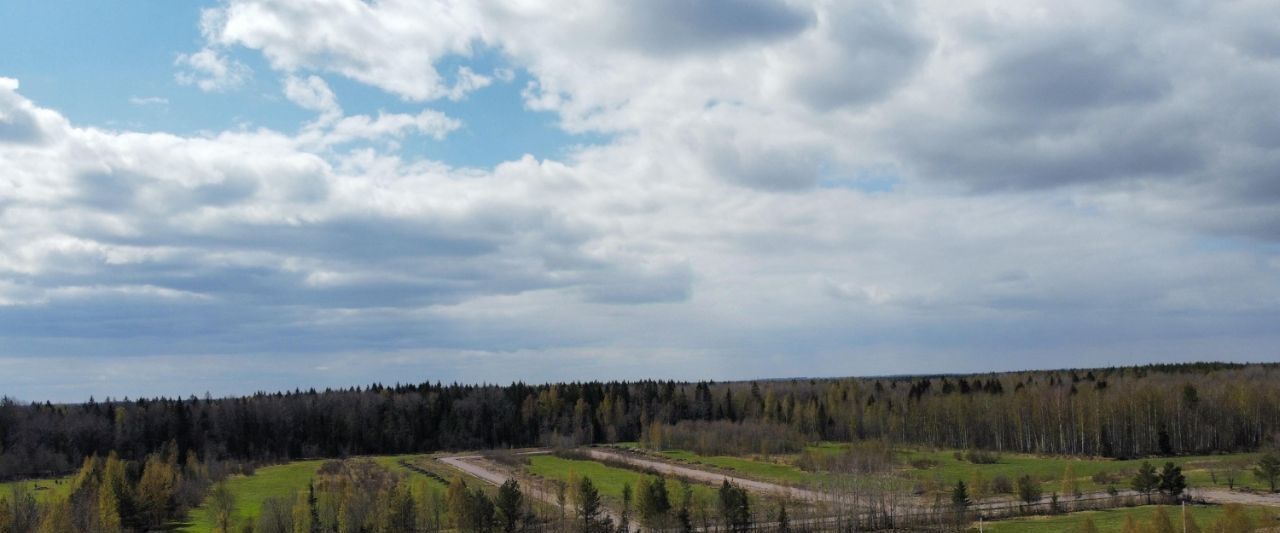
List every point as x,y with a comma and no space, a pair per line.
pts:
860,53
1085,178
674,27
311,93
19,121
211,71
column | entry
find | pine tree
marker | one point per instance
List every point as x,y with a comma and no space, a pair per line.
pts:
1172,482
1268,469
1146,480
589,507
735,507
960,496
510,504
654,502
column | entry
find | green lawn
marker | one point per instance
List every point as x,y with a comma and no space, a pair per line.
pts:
766,470
42,489
1112,520
1050,469
285,480
607,479
780,468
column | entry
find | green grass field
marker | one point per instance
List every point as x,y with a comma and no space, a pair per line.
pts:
1112,520
948,469
42,489
782,472
285,480
607,479
1050,470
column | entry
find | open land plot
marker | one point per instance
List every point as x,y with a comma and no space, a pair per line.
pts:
777,470
43,489
943,468
286,480
1050,470
608,480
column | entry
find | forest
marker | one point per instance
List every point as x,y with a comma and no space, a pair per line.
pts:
1122,412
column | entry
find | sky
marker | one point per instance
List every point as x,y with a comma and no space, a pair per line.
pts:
227,197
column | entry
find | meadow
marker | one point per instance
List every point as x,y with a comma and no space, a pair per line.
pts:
286,480
43,489
607,479
940,469
946,469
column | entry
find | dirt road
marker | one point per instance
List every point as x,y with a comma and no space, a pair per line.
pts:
479,467
1221,496
704,476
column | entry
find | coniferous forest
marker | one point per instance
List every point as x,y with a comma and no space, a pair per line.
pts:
1111,412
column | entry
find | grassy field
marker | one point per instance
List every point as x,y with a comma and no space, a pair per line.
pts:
1050,470
285,480
1112,520
782,472
43,489
946,469
607,479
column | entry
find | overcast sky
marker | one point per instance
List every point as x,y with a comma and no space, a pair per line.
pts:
254,195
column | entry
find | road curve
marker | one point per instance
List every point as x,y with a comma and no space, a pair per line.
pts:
464,464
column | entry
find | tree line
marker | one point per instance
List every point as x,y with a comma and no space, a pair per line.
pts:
1115,412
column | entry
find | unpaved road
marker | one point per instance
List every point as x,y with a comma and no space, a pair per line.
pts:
1227,496
704,476
465,464
478,466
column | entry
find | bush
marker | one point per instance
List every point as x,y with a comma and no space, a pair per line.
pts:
1107,478
979,457
923,464
1002,485
724,438
866,457
506,458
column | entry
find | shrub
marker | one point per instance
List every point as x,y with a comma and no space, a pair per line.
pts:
866,457
1107,478
979,457
725,438
1002,485
923,464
